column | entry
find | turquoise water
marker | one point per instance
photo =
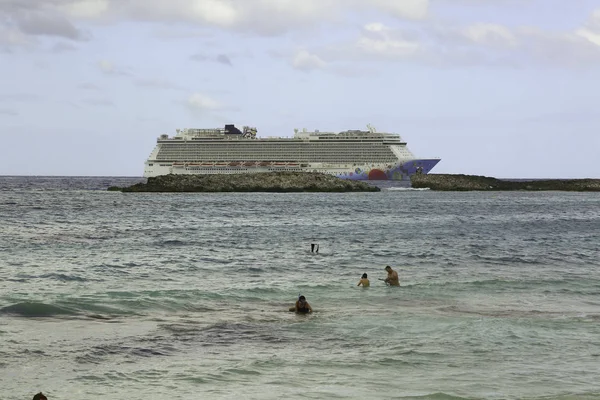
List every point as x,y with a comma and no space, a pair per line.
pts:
108,295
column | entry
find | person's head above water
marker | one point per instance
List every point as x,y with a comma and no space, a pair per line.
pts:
388,268
301,305
364,276
40,396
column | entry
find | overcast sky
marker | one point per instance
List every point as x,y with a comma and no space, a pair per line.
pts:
504,88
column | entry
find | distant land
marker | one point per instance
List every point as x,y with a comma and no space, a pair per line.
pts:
281,182
451,182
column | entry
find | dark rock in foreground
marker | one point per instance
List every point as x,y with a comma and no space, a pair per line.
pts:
448,182
260,182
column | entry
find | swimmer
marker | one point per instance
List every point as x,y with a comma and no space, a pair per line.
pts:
301,306
364,282
392,277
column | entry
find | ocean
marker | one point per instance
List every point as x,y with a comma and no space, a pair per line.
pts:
109,295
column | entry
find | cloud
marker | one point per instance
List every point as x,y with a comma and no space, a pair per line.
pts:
109,68
11,99
48,24
223,59
590,35
199,57
62,47
88,86
351,70
375,42
219,58
157,84
264,17
404,9
11,38
176,33
99,102
202,103
8,111
476,44
305,61
408,34
493,35
23,20
87,8
591,30
380,41
19,97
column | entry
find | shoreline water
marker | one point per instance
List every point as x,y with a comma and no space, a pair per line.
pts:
166,295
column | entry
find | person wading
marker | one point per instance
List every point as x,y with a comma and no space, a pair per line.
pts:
392,277
301,306
364,281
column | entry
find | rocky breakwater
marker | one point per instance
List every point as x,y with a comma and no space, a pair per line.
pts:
448,182
280,182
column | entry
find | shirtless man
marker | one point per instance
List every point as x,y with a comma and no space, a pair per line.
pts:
392,277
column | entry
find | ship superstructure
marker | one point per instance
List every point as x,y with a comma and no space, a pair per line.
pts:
352,154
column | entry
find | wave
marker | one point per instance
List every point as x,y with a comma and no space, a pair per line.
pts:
516,313
172,242
501,260
32,310
435,396
559,286
101,353
405,189
64,277
70,310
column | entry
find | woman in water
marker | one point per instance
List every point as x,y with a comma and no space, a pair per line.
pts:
364,281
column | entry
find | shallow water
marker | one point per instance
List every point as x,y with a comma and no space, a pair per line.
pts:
164,296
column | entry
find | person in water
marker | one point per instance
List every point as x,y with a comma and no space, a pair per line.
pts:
364,281
301,306
392,277
40,396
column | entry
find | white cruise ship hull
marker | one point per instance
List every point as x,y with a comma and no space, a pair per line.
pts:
398,171
356,155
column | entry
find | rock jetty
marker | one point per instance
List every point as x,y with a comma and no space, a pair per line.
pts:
281,182
449,182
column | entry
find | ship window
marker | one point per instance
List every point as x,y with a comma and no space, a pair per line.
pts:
150,165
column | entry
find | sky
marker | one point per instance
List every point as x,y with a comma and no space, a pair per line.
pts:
502,88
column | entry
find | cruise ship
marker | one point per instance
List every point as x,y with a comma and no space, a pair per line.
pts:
352,154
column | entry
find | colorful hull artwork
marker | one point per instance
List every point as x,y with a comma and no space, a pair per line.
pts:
396,172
